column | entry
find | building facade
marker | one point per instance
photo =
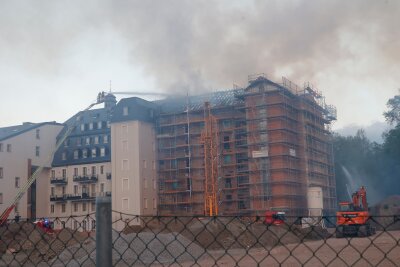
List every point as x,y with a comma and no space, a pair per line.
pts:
81,167
134,158
23,149
244,151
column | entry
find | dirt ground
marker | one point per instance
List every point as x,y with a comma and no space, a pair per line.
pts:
25,243
382,249
223,242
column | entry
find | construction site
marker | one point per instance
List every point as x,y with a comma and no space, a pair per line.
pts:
246,150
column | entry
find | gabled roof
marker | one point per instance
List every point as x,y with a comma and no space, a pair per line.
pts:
8,132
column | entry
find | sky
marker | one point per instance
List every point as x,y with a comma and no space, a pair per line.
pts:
55,56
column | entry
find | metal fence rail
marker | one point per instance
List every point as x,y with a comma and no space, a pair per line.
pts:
197,241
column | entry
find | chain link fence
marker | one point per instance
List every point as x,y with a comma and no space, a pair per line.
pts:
197,241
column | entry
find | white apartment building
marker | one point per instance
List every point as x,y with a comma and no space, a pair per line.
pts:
23,149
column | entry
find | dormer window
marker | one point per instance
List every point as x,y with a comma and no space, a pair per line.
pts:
125,111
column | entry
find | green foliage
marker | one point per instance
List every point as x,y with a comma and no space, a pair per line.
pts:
393,115
361,162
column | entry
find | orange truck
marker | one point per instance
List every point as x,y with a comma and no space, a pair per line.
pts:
353,217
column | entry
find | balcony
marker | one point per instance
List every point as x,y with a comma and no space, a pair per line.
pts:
58,180
73,197
86,178
88,196
108,176
104,194
55,198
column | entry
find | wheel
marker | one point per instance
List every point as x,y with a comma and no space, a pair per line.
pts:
363,231
339,232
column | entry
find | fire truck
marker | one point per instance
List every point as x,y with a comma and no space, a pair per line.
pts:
353,217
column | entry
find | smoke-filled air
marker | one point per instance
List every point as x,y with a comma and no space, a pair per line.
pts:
347,49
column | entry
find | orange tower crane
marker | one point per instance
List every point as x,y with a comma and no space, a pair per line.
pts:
209,138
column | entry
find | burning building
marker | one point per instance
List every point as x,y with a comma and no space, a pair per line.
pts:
244,151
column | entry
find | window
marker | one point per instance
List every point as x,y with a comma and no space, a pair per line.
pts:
75,171
154,164
102,187
63,208
84,171
108,124
64,173
94,152
125,111
93,170
78,141
99,125
52,208
76,154
82,127
105,139
87,141
52,191
125,184
145,183
17,179
125,204
76,207
96,140
1,172
53,174
84,206
1,147
75,190
84,153
145,203
144,164
125,146
66,142
154,203
102,169
124,130
37,133
91,126
154,184
125,164
1,198
8,147
227,159
102,152
64,156
93,208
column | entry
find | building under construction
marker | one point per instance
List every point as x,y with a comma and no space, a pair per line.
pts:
243,151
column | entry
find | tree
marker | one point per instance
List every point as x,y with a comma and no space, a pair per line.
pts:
393,115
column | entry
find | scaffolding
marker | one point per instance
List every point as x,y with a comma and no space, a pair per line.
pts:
243,151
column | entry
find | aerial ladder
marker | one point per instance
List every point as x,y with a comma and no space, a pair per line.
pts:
4,216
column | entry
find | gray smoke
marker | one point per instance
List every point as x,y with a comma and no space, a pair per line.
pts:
194,45
64,49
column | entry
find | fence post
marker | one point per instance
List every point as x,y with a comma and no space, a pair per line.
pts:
103,232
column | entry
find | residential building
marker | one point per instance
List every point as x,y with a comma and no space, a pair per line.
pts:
81,167
134,186
243,151
23,149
